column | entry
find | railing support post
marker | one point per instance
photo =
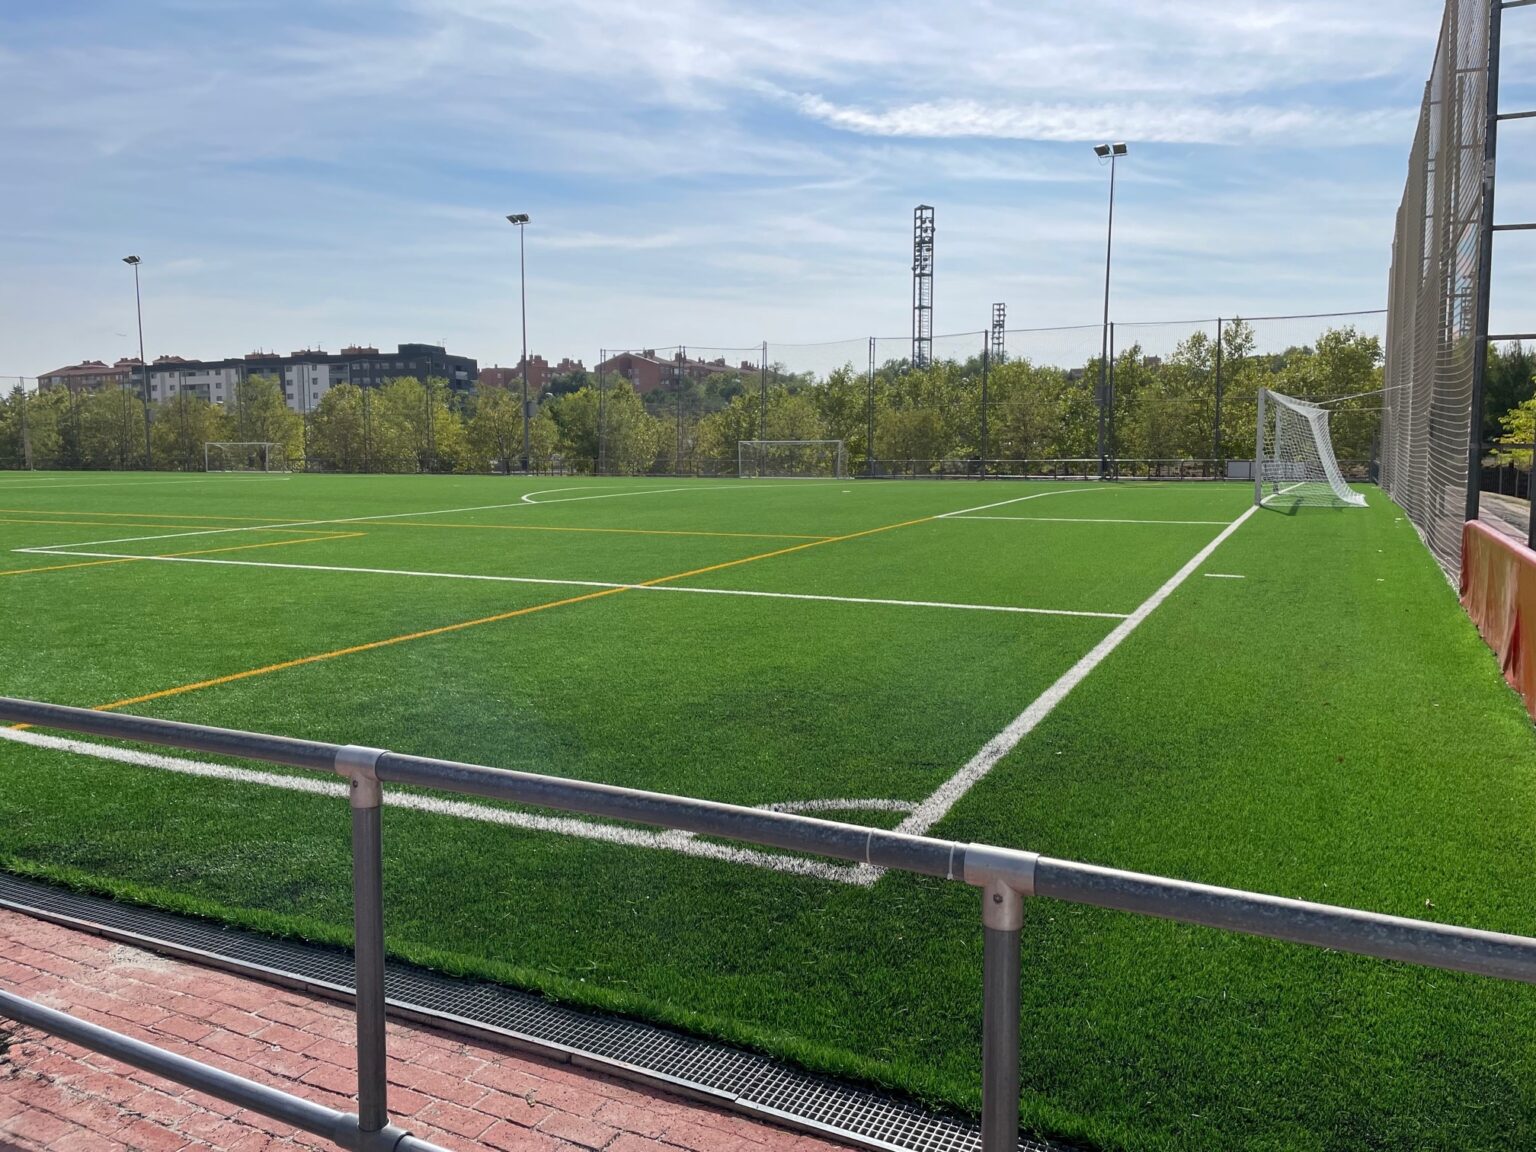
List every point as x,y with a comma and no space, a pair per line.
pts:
358,764
1004,878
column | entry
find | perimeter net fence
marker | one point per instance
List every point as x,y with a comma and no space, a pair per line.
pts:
1429,428
1181,400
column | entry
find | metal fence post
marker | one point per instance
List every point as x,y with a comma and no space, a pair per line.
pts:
357,764
1004,878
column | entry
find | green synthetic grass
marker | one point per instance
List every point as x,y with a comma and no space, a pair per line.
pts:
1329,727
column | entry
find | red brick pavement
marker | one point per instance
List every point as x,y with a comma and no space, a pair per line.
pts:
55,1097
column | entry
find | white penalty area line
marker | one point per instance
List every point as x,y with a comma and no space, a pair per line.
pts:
684,843
554,582
1084,520
937,806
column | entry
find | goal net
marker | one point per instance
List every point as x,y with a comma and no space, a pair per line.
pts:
1294,462
791,458
244,456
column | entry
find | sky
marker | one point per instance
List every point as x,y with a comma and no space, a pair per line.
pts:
713,173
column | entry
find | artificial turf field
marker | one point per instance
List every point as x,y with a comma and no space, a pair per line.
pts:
1328,727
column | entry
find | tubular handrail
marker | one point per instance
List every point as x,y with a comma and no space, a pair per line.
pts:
1006,877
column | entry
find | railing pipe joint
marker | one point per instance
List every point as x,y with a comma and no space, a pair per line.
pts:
1005,876
360,765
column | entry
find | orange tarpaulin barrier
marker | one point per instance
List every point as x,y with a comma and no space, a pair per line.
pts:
1498,590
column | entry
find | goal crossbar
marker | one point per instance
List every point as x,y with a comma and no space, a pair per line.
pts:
1293,457
791,458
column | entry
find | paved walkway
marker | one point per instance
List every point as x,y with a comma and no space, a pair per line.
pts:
55,1097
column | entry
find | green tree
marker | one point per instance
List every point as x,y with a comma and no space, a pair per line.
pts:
416,428
112,429
631,438
183,425
496,430
257,413
338,435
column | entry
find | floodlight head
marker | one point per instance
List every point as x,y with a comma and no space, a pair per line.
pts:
1101,151
130,260
518,218
1119,149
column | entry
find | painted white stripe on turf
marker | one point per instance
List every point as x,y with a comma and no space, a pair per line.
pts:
574,583
934,809
861,875
1224,576
1020,500
1084,520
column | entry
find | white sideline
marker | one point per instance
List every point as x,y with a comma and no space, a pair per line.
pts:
937,806
685,843
1085,520
68,550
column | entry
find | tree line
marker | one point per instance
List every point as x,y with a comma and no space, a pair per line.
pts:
1164,408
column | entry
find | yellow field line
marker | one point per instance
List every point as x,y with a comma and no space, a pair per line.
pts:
61,567
616,531
446,628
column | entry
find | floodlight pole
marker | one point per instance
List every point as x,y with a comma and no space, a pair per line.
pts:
1484,297
1112,152
138,308
520,220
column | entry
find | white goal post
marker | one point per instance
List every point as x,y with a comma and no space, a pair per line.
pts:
791,458
1294,458
244,456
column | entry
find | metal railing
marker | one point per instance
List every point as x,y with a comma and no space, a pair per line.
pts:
1005,876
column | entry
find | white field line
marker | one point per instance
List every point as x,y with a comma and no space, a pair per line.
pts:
1224,576
574,583
936,806
1084,520
359,519
1018,500
685,843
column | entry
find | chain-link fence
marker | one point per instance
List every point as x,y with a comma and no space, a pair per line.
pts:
1437,301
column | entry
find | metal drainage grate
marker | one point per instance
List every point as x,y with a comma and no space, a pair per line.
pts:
717,1073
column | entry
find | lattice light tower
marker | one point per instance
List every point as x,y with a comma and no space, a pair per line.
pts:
922,286
999,326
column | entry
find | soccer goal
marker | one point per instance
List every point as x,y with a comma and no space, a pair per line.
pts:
791,458
244,456
1294,462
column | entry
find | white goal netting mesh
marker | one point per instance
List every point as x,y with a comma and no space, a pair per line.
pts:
791,458
253,456
1296,465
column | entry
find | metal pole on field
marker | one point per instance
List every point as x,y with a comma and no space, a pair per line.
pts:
1258,451
986,364
602,413
869,457
762,432
520,219
1109,405
1485,270
26,432
138,308
1110,152
1216,423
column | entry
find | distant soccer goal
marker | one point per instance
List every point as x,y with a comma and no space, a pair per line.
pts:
244,456
1294,462
791,458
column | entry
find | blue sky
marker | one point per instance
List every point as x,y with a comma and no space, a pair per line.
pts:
707,172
